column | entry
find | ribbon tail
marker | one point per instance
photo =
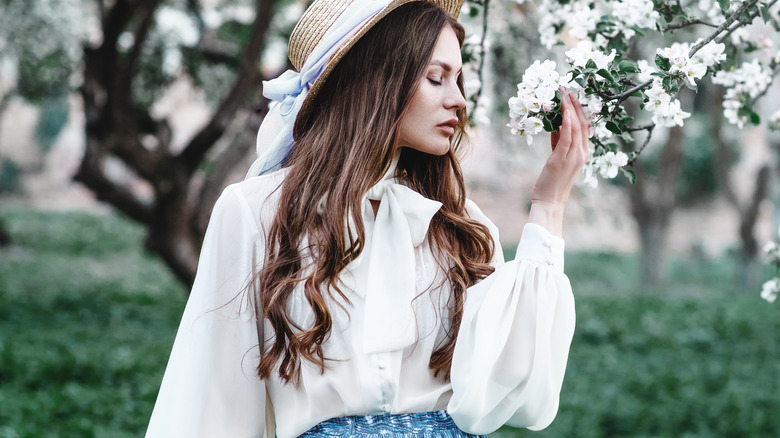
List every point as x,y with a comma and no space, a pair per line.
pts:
390,322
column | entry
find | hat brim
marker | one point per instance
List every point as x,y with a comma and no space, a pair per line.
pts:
451,7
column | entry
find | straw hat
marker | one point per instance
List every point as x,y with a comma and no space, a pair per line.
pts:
316,22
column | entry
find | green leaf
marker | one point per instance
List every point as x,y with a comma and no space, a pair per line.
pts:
613,127
662,62
591,64
473,11
630,174
724,5
763,10
547,125
628,66
605,74
755,118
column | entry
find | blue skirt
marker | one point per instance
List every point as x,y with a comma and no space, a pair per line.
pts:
418,425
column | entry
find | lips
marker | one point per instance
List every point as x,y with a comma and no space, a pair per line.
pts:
448,127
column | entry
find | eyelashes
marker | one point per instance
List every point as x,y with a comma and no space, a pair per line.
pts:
434,81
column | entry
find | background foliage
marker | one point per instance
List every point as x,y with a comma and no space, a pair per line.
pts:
87,321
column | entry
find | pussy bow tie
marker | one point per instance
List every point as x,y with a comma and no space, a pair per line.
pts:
385,275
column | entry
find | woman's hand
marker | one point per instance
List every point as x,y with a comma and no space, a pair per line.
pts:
569,153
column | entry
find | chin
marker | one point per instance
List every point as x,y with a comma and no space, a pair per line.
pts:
431,149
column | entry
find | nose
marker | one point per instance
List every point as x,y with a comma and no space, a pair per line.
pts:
454,99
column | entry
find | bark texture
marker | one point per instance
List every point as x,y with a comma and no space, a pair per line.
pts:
749,270
652,203
117,128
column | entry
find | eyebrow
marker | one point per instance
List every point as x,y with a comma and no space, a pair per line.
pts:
444,65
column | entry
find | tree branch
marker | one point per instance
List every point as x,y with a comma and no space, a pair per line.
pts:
723,26
90,174
248,76
686,24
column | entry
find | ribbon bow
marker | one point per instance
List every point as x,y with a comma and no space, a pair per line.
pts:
387,276
288,91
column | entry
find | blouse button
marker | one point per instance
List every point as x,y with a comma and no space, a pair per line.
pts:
380,364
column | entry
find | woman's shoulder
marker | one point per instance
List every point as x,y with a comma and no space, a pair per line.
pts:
258,195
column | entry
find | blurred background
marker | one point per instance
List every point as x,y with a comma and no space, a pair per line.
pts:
121,121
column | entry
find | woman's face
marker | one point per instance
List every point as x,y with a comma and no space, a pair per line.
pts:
429,121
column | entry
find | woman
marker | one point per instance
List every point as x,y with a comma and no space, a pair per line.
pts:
383,300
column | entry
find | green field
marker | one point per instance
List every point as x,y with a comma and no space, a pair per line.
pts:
87,321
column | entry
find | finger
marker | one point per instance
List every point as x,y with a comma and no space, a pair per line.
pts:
576,128
564,139
585,125
582,118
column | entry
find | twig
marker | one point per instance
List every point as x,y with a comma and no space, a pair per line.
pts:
696,47
638,152
686,24
639,128
480,68
723,26
741,23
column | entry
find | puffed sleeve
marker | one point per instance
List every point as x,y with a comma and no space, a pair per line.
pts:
514,338
210,387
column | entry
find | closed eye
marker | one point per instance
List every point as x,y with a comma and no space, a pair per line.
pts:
434,81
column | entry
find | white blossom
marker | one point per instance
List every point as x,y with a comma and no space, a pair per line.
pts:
584,52
645,70
670,114
770,289
711,54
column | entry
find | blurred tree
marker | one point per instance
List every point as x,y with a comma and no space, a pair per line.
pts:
5,238
653,201
139,53
749,270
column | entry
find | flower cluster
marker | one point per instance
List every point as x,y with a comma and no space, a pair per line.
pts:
536,107
771,288
604,78
743,85
537,98
606,166
774,121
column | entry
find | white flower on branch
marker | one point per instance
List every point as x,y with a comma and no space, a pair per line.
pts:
670,114
645,70
584,52
770,289
711,54
635,13
774,121
606,166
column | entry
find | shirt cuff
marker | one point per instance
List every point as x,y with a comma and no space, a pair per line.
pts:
539,245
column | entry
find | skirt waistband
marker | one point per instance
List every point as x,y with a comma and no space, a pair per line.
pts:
416,425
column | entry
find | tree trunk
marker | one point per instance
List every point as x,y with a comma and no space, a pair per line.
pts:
5,238
749,270
652,204
116,126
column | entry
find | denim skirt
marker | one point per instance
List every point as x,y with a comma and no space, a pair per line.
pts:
417,425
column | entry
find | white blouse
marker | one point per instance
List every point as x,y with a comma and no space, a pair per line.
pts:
509,359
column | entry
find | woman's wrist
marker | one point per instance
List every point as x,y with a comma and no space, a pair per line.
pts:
547,215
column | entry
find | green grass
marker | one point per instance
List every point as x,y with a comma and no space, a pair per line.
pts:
87,321
86,325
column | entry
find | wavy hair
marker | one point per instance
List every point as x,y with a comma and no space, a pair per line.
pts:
345,146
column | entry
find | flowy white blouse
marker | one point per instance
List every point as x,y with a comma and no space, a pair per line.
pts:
509,359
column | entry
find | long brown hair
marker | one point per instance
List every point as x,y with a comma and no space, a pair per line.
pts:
345,147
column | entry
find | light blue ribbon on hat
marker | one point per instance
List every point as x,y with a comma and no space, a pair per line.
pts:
288,91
